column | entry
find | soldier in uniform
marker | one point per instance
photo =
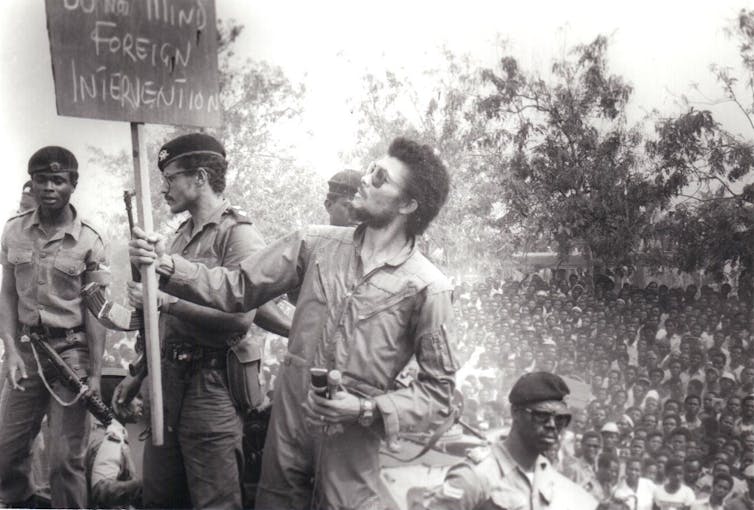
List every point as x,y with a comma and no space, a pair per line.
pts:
200,464
512,473
341,189
369,302
48,254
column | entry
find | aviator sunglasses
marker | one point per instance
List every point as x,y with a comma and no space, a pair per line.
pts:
379,175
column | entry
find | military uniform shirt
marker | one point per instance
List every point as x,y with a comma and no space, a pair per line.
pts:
50,269
491,479
225,239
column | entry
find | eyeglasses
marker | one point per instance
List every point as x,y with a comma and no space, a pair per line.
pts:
561,420
170,179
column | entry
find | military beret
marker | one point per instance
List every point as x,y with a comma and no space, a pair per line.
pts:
53,159
538,387
346,182
189,145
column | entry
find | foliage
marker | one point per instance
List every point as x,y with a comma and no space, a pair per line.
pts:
573,174
709,169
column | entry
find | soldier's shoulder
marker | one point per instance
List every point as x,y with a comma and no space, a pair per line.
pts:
434,279
19,216
479,454
237,214
92,226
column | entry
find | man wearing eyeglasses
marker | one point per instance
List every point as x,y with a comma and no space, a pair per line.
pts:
369,301
200,464
513,473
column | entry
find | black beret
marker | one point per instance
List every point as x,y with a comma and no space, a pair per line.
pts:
537,387
345,182
189,145
53,159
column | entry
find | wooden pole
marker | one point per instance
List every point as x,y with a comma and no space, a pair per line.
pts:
149,284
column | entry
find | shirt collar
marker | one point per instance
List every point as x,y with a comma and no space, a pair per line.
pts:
543,479
406,252
72,228
213,218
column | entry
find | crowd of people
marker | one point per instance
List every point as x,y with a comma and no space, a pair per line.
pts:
670,372
656,383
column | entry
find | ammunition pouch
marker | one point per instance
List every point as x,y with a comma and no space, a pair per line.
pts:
244,366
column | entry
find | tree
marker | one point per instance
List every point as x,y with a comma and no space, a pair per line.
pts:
707,169
572,173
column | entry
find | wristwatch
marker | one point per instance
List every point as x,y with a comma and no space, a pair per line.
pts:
366,412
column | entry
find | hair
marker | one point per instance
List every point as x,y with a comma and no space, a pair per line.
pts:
693,458
680,431
723,476
428,182
591,434
215,166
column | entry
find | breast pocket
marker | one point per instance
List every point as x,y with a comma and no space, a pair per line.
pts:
508,498
66,274
21,260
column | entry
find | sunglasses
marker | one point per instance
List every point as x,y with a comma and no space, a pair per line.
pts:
379,175
561,420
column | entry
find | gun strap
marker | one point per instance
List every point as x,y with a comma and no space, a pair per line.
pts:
47,385
433,439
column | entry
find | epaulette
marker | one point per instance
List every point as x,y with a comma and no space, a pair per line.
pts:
478,454
238,214
92,226
21,214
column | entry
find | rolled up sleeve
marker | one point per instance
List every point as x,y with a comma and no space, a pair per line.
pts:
408,409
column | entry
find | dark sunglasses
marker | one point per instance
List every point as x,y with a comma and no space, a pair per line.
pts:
379,175
561,420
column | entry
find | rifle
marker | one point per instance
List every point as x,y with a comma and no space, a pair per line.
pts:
139,365
113,315
70,380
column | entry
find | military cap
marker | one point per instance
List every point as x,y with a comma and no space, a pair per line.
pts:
538,387
189,145
53,159
346,182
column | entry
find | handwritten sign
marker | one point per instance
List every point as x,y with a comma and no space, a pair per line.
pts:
151,61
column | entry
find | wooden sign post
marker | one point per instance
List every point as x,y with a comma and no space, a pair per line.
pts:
138,61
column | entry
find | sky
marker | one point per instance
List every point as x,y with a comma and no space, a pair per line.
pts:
660,47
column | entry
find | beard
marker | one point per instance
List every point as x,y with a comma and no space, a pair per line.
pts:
373,220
